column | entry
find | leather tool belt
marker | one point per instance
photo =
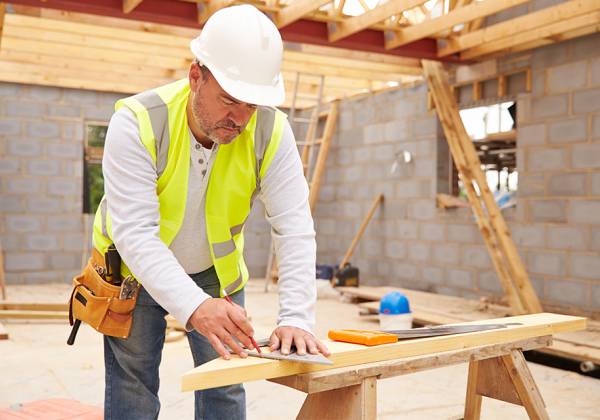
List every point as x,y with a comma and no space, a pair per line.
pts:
106,307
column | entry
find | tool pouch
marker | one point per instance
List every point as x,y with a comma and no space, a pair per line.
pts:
96,302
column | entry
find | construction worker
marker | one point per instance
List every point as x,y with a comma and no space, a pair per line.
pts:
182,166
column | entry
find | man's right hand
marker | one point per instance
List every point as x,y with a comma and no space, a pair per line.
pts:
219,321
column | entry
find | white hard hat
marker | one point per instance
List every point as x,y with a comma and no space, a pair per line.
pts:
243,50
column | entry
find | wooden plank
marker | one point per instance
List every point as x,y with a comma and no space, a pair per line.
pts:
346,376
33,306
19,314
462,15
207,10
129,5
294,11
505,258
3,332
525,37
320,165
2,18
519,24
349,26
378,200
221,372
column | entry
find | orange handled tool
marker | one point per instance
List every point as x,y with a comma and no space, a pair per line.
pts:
367,338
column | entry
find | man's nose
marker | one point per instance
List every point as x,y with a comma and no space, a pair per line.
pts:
241,113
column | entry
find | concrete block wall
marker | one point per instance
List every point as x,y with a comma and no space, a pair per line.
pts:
411,243
41,170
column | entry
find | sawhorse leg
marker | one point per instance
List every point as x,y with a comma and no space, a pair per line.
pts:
354,402
506,378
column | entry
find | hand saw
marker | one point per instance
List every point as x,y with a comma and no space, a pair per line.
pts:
373,338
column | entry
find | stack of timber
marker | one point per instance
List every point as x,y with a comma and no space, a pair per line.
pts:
433,309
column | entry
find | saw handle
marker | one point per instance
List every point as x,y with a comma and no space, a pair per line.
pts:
367,338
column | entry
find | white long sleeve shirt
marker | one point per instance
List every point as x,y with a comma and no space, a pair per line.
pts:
130,186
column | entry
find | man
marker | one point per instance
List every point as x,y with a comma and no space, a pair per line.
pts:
182,165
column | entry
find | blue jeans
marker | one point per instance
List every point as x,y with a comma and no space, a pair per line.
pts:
131,364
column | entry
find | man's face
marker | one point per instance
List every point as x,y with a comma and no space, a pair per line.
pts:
220,116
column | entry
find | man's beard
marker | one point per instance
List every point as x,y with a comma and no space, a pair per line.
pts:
214,131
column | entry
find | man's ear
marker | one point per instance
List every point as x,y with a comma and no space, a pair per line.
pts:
195,76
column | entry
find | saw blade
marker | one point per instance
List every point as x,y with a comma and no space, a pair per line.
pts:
293,357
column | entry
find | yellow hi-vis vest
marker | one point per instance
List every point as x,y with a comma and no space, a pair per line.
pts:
233,184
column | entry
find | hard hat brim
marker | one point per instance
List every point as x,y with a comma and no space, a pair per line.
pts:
263,95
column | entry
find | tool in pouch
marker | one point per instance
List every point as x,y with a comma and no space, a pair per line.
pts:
101,298
375,338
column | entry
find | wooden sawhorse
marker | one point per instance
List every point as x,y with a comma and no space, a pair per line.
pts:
496,371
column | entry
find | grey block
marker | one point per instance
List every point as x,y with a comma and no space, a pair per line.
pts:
596,72
549,106
24,185
65,150
11,203
552,55
460,278
10,127
432,232
346,120
372,247
596,239
24,261
10,89
422,209
43,93
585,266
43,167
41,242
596,183
362,154
584,211
43,129
418,251
384,152
15,223
64,260
567,77
531,135
546,159
80,96
41,204
373,133
567,184
395,249
425,127
405,271
584,47
343,156
547,210
9,166
567,292
72,131
586,101
476,256
98,113
433,275
19,108
551,263
396,131
405,108
530,235
65,111
64,223
446,253
23,147
567,237
489,281
64,186
406,229
596,127
425,168
586,155
531,185
462,233
567,131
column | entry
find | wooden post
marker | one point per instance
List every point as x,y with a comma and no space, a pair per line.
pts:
506,260
361,230
505,378
354,402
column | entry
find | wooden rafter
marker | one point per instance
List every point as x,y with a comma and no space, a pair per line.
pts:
355,24
462,15
519,24
2,14
294,11
547,32
129,5
207,10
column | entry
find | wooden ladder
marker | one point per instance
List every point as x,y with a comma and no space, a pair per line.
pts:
507,262
313,173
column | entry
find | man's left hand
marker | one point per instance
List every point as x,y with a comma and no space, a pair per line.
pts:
283,338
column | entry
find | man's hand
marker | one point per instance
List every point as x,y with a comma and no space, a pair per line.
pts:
284,337
219,321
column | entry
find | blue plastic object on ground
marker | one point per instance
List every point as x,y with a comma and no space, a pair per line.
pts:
394,303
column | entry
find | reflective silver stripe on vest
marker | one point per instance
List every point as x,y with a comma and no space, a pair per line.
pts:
222,249
265,119
237,283
103,213
237,229
159,118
